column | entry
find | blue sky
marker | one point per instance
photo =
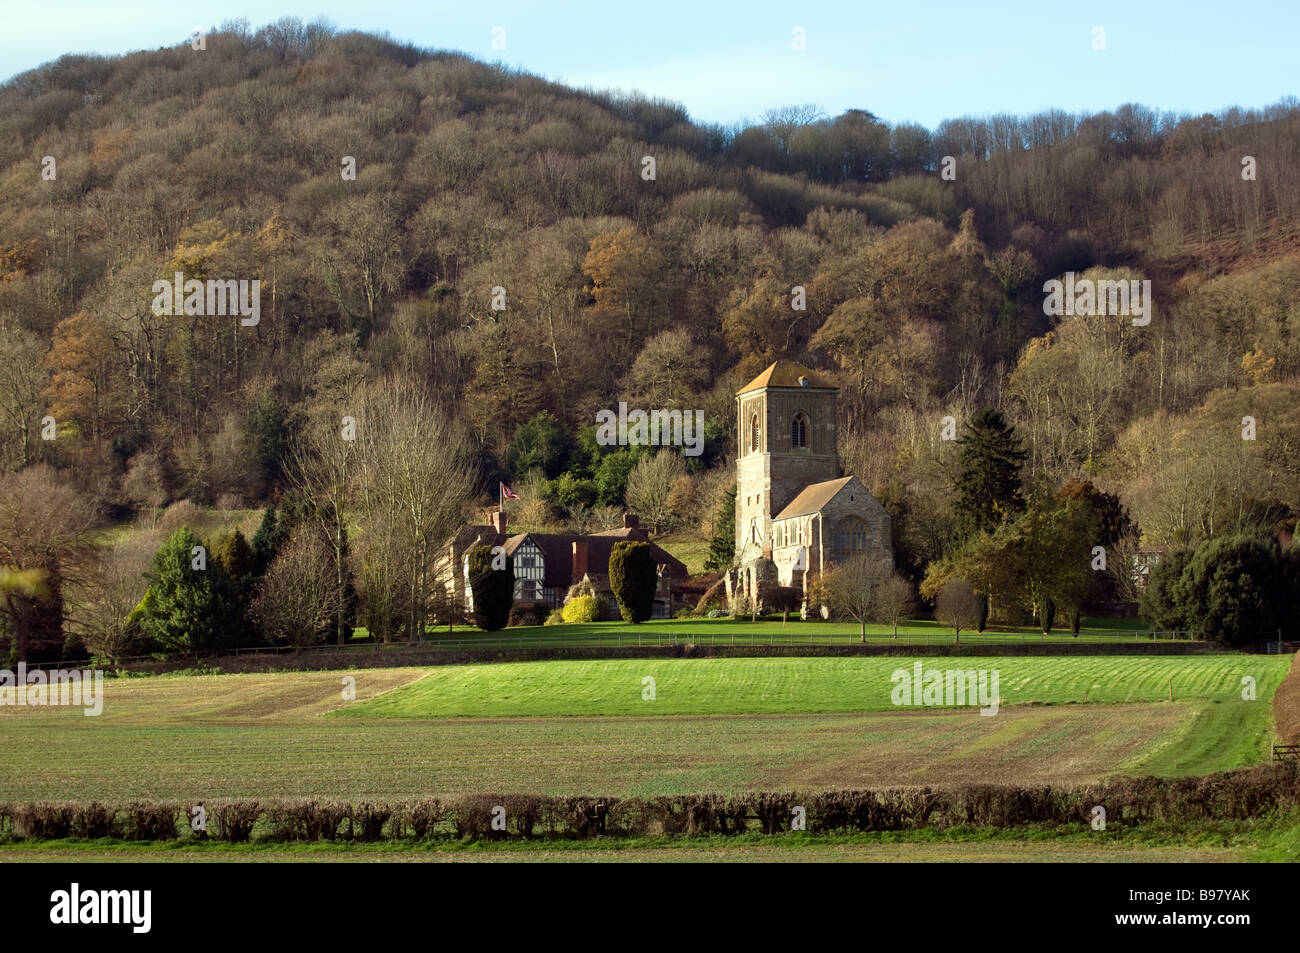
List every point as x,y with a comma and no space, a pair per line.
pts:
923,60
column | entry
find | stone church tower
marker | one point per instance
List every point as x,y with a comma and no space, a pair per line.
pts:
796,516
786,430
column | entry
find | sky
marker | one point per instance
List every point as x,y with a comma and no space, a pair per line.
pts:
728,61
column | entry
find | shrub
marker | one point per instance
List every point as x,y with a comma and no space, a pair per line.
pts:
1233,586
366,820
556,617
522,615
586,816
92,820
581,609
42,820
775,811
1159,604
525,811
151,820
234,820
419,817
715,597
181,513
473,816
784,599
1234,589
493,589
634,577
307,819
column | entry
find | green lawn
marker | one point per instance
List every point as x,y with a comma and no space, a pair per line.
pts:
688,547
725,686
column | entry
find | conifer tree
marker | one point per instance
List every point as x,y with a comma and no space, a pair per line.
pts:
988,489
722,545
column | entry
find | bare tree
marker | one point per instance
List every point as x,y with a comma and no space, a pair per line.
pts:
100,605
322,466
21,377
415,468
377,559
650,487
782,123
895,601
606,517
853,588
362,263
958,606
299,598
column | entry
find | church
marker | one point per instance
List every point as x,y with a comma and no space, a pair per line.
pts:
795,515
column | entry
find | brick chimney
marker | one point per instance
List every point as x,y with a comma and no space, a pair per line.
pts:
499,521
579,559
630,521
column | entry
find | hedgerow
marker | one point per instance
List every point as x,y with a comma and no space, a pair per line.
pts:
1234,795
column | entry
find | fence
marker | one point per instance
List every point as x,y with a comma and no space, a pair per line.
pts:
642,639
772,640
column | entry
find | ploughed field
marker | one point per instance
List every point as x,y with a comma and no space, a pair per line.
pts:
591,727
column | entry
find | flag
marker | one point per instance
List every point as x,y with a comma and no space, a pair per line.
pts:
507,493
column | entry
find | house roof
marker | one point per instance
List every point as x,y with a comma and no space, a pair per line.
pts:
557,553
813,498
787,374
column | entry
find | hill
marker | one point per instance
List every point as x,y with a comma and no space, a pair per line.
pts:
523,254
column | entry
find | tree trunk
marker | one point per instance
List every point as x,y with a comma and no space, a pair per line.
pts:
341,611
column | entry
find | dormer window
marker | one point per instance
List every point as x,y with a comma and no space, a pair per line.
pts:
799,431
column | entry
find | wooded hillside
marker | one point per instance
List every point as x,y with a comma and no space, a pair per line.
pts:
924,296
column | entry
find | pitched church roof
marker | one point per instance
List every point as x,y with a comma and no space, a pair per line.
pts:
813,498
787,374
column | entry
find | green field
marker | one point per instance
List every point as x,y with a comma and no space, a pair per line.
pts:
718,725
743,686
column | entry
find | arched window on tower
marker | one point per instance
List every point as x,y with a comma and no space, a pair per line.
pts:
753,434
799,431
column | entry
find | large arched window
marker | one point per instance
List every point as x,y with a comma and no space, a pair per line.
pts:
753,434
799,431
852,537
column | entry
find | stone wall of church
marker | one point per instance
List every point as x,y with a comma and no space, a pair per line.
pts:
866,508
